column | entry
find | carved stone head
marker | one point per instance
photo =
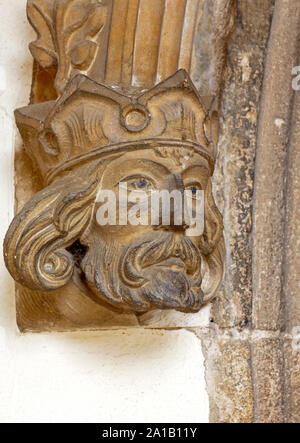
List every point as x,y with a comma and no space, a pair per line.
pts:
95,137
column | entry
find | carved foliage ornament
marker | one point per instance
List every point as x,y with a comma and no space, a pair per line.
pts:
117,119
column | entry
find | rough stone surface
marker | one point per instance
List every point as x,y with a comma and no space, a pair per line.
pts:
237,148
215,23
292,234
228,376
261,286
267,364
292,378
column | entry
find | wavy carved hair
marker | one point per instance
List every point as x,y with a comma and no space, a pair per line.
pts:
35,247
35,244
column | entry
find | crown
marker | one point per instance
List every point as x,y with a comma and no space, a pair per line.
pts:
91,120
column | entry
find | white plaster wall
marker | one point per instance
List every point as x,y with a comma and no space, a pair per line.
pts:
118,376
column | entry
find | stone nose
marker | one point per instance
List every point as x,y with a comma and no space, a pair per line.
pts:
178,182
176,220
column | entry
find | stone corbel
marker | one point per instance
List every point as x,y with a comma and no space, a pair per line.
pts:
112,100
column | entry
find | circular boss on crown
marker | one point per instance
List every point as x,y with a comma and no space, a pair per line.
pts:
135,117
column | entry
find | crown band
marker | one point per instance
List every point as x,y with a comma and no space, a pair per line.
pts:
126,146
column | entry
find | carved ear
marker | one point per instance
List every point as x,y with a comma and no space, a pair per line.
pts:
35,244
212,271
213,230
212,247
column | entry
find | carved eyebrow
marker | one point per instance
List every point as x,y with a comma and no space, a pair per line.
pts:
140,163
133,176
159,165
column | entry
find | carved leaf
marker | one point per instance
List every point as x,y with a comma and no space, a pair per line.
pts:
83,54
40,16
68,32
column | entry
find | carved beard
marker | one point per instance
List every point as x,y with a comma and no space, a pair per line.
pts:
164,273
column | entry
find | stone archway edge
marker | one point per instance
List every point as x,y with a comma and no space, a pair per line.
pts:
276,230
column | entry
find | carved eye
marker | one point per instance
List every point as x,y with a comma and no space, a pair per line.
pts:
139,183
193,188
